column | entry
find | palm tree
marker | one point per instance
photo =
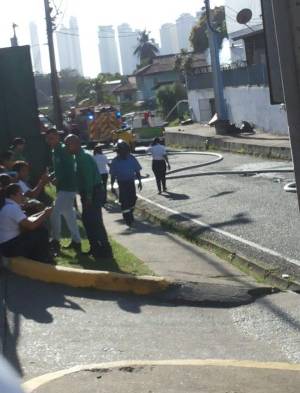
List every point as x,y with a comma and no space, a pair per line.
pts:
146,49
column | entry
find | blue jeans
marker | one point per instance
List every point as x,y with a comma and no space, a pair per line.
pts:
64,206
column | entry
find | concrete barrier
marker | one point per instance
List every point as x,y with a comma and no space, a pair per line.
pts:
80,278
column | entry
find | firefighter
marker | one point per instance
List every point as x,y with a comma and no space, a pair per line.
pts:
125,169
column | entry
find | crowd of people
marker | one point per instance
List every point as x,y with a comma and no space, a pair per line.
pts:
30,228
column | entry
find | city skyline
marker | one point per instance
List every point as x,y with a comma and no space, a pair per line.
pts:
108,52
90,14
68,47
35,48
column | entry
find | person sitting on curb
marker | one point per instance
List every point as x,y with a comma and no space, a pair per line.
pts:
91,192
66,188
7,162
21,235
22,170
125,168
17,148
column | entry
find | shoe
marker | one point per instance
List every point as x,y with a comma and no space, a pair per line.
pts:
103,252
165,189
76,246
54,247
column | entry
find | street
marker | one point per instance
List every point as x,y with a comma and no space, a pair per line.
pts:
255,209
52,327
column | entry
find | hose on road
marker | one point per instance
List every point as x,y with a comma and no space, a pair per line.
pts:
216,158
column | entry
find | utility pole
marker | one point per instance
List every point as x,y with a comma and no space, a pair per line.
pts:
213,35
54,78
14,38
287,29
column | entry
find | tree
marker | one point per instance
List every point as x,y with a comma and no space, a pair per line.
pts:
199,35
146,49
168,96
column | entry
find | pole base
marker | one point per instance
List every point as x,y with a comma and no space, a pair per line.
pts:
222,127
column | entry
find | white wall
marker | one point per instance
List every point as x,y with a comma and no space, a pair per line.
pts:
251,104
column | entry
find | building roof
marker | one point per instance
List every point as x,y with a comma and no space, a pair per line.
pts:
167,64
124,88
247,32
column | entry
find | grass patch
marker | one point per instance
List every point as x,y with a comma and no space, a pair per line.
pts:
123,261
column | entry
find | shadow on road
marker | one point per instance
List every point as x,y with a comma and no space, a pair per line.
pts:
33,300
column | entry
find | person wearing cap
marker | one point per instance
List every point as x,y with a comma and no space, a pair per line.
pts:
66,189
160,162
103,168
91,191
125,168
17,149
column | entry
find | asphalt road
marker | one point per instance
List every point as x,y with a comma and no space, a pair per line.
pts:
51,328
254,208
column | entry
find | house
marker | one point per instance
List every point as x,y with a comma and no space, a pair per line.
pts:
246,82
126,91
161,72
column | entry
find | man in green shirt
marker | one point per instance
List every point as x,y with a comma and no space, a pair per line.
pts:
66,189
91,192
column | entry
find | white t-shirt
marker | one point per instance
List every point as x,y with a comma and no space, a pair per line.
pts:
24,187
158,152
11,215
102,163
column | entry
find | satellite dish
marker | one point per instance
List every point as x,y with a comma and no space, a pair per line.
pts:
244,16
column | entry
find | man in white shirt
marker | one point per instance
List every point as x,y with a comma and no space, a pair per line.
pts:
160,162
21,235
103,167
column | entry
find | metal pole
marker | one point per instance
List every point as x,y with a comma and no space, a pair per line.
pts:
216,68
54,78
287,22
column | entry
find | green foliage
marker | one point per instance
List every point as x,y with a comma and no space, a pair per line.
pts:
183,62
146,49
93,89
168,96
199,35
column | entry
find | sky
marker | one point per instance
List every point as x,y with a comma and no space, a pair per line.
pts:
139,14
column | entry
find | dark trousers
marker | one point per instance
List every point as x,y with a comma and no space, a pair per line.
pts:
104,177
127,198
32,244
159,168
93,223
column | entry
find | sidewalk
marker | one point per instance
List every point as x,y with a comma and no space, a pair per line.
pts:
198,276
202,137
175,376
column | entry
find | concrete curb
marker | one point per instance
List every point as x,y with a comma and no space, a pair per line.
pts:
271,276
199,142
35,383
80,278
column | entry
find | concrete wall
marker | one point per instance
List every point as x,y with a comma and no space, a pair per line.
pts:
249,103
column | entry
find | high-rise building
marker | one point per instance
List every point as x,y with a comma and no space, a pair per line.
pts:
169,39
128,41
109,60
35,48
68,45
185,24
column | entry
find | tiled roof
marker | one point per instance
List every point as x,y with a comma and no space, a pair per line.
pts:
167,63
